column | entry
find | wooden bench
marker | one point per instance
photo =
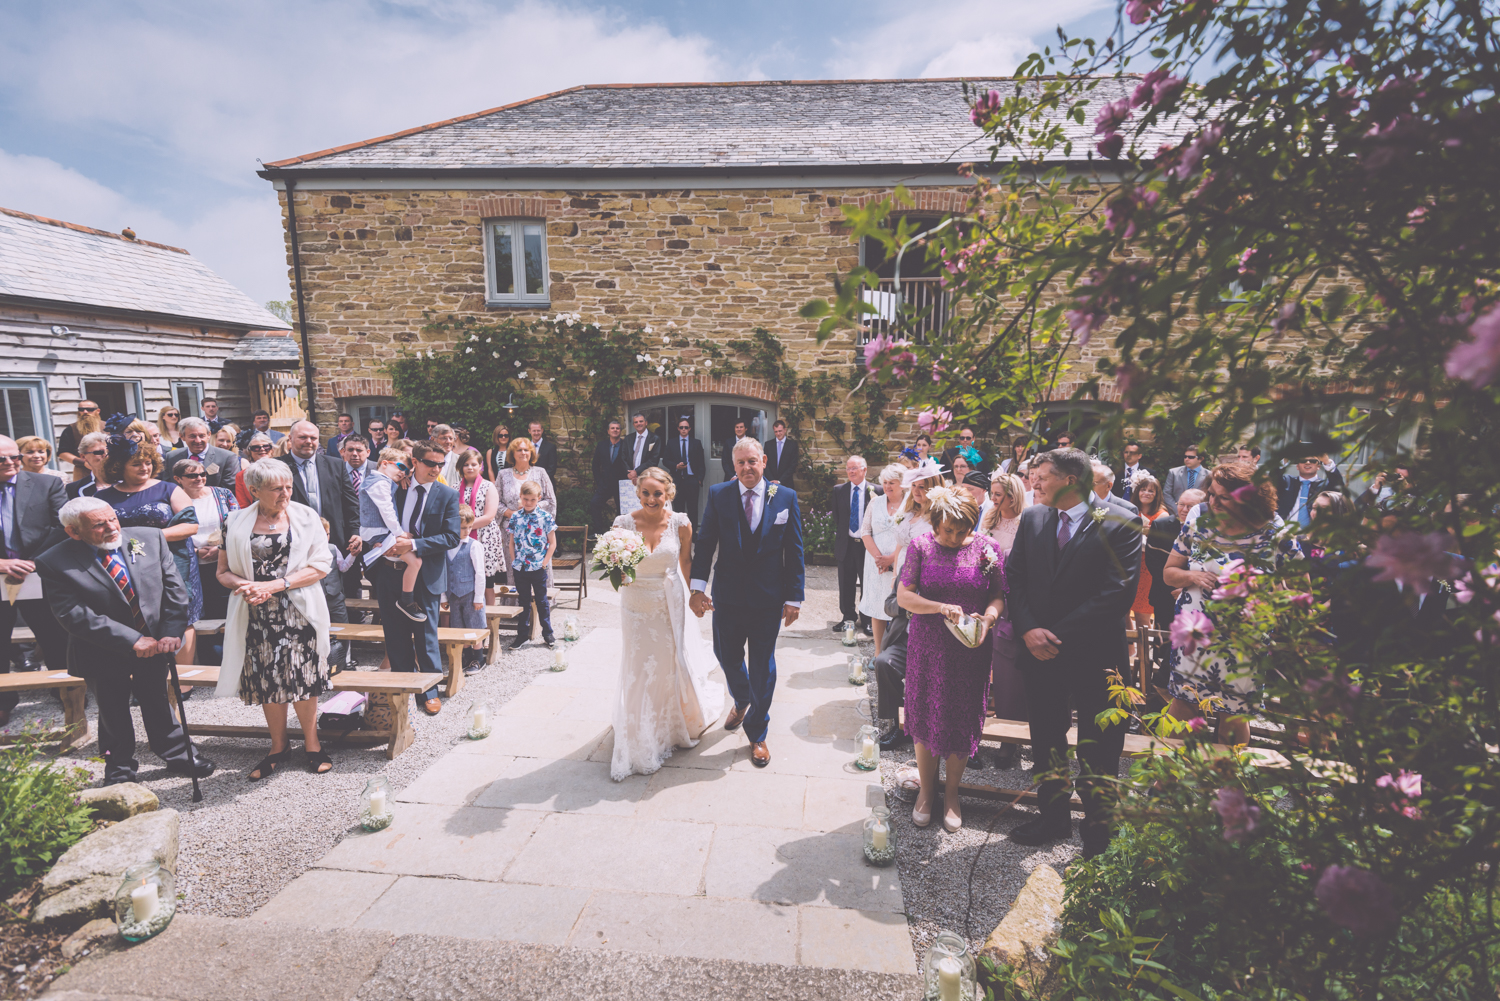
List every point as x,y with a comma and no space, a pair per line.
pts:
396,687
494,616
451,640
75,728
205,627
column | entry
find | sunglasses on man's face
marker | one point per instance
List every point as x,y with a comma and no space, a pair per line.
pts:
100,451
431,463
965,437
88,410
10,458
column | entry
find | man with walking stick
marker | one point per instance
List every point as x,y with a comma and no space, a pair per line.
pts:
117,593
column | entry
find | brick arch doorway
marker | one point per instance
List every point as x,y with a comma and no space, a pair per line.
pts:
712,417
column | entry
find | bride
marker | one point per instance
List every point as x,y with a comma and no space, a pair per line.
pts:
666,698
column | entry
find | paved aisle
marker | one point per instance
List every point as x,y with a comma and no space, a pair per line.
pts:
523,837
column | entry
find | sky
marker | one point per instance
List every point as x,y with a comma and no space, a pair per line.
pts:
152,115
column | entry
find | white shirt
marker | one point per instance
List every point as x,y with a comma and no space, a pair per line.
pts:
640,444
410,504
686,453
1076,515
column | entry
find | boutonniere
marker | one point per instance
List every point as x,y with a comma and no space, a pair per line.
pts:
1098,513
989,562
213,470
770,490
137,548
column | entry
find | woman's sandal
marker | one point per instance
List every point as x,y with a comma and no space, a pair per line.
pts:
316,760
268,765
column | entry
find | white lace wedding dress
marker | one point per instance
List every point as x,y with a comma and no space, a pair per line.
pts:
667,697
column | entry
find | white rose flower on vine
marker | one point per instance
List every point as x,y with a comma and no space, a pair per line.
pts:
517,364
640,357
495,353
708,363
677,372
593,372
666,339
648,328
469,350
473,368
523,375
671,324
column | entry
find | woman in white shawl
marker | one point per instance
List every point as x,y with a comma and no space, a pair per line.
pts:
276,633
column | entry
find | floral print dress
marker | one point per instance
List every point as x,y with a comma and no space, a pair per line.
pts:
1207,673
281,647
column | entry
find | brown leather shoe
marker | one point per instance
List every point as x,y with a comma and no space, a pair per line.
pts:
736,717
760,757
431,706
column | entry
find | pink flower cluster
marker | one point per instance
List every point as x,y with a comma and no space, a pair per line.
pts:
1477,360
1241,817
883,350
1156,87
1182,161
1413,559
1288,317
958,264
1334,693
985,106
1140,11
1130,208
1191,630
934,421
1408,787
1236,580
1355,899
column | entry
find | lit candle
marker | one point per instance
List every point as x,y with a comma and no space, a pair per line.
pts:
949,974
143,901
878,836
557,658
849,636
867,750
481,718
377,803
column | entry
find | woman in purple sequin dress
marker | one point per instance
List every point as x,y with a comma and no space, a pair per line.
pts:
948,573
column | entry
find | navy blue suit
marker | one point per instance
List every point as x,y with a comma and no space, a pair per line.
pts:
413,646
757,573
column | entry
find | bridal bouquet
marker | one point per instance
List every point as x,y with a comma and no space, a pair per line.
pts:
617,554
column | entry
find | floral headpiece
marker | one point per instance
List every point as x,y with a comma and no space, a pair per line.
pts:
120,447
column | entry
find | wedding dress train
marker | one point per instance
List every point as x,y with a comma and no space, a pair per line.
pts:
666,697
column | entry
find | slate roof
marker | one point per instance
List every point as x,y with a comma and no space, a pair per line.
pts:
276,347
805,125
46,260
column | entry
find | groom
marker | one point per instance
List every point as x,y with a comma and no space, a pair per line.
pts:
757,584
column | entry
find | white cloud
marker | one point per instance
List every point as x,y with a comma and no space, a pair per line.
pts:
240,238
969,38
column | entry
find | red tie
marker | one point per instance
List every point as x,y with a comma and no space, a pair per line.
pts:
750,509
115,567
1062,529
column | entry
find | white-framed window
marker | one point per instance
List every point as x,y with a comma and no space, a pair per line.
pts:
23,410
187,397
124,397
515,262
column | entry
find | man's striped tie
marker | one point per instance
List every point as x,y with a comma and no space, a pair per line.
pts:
115,567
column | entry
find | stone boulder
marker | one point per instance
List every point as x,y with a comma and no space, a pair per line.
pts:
1022,938
81,886
119,802
93,936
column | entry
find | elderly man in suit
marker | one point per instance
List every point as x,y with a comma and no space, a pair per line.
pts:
611,465
29,503
782,456
221,464
1073,571
428,511
1189,476
324,484
683,458
850,499
117,593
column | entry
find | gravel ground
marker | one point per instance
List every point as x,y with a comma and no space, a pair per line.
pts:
245,840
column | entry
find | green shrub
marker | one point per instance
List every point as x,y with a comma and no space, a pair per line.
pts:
40,816
573,505
817,533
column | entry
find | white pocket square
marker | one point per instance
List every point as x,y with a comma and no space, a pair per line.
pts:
782,517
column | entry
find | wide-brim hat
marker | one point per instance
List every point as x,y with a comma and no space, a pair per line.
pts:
928,470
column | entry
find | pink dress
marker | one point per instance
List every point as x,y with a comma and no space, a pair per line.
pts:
947,684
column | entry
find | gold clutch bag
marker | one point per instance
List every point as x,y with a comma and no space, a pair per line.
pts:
971,632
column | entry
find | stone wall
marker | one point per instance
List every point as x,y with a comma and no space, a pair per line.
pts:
717,263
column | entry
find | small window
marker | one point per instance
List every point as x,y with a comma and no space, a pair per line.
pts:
116,397
516,261
187,397
23,409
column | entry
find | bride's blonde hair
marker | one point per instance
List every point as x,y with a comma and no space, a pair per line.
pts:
661,476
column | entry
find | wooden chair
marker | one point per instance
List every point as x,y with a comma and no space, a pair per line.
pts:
572,561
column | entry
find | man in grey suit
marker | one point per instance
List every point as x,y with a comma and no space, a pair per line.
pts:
220,464
1189,476
324,484
117,593
29,503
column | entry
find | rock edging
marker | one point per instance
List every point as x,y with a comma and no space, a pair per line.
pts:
1023,937
81,886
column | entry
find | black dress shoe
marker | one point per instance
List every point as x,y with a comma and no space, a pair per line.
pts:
867,628
201,768
1095,838
1042,831
895,742
839,627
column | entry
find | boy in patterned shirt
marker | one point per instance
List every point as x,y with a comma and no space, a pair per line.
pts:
530,540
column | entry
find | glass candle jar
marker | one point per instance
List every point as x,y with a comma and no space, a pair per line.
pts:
948,971
850,639
145,901
559,659
880,837
479,721
857,673
869,749
375,812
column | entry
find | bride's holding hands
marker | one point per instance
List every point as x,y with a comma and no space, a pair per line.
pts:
665,699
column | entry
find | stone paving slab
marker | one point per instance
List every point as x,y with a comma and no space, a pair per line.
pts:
614,853
741,930
428,840
325,898
564,786
798,867
877,941
456,779
468,909
725,797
